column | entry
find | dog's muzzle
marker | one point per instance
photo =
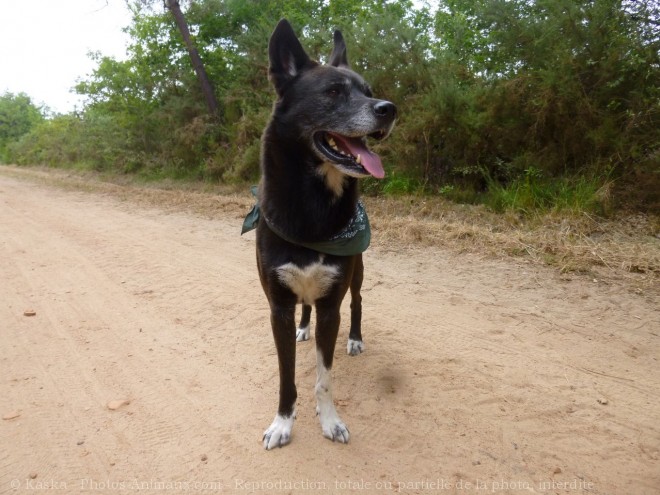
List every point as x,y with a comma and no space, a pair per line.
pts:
350,153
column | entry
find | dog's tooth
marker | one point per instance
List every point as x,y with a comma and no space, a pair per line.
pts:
358,160
332,143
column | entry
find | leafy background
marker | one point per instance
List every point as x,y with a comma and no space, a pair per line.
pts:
518,104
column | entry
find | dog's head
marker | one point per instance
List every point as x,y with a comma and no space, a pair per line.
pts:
329,106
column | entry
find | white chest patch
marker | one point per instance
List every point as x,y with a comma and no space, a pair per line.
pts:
309,283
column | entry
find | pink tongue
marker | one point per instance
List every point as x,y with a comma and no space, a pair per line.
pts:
370,161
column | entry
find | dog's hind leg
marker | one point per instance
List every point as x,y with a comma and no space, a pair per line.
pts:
283,322
302,333
355,344
327,328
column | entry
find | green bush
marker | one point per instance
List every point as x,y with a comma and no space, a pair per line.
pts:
523,105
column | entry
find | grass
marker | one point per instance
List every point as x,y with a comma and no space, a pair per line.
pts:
532,195
626,247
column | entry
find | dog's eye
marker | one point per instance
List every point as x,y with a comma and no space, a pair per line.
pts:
335,90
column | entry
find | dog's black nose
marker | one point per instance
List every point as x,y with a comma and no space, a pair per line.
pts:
385,109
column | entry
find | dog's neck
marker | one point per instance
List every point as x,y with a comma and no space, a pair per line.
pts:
334,180
307,201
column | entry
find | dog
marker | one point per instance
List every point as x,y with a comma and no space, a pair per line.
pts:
313,153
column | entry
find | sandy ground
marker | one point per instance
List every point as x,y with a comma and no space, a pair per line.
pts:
480,375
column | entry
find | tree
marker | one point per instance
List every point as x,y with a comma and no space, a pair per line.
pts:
490,92
18,115
556,87
198,65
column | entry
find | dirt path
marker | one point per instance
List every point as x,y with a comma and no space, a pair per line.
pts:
480,376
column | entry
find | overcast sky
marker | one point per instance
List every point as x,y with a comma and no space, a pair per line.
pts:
44,45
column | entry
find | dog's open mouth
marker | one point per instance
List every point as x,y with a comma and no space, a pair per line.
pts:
351,153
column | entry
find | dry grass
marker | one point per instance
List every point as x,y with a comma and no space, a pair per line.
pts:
626,248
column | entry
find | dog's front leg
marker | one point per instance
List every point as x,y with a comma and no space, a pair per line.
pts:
283,323
327,328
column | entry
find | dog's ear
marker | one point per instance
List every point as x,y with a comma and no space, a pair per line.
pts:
287,56
338,57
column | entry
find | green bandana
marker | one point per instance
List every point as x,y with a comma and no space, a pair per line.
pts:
353,239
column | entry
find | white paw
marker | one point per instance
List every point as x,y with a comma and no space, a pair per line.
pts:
334,428
354,347
302,334
278,433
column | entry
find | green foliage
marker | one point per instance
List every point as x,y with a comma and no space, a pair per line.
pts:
568,87
533,192
397,185
519,104
18,115
53,142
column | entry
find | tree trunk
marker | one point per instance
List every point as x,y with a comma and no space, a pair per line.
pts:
207,88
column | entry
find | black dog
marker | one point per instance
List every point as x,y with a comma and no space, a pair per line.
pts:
312,229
